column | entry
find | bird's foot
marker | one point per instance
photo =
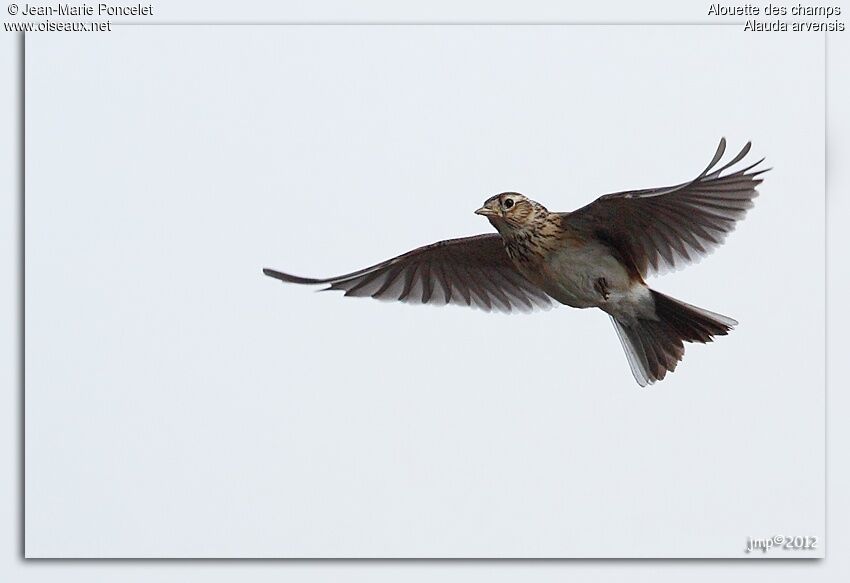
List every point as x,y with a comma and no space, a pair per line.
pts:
601,286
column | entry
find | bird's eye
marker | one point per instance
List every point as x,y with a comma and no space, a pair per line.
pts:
509,202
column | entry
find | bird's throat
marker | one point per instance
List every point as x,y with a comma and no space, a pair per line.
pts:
529,245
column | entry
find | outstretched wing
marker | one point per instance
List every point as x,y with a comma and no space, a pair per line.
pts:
661,229
472,271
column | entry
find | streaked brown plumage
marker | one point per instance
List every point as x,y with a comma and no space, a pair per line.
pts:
596,256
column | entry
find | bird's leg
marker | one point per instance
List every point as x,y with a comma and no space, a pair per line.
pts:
601,286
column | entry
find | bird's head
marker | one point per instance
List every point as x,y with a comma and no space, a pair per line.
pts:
511,211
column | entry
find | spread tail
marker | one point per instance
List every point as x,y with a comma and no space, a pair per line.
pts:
655,346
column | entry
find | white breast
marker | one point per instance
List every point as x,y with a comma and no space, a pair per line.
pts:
573,271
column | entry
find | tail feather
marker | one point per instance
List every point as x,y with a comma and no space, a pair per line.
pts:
655,346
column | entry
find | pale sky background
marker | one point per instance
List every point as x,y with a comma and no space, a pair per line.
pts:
179,403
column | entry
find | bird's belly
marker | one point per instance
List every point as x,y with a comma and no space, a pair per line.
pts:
574,275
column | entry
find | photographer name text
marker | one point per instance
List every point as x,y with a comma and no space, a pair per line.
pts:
98,10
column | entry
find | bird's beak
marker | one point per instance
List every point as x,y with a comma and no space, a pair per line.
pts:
485,212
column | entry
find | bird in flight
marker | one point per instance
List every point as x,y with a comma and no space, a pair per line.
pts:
594,257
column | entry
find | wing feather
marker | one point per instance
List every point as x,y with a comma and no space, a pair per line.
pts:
471,271
660,229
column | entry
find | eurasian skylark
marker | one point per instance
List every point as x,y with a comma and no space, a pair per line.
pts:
594,257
